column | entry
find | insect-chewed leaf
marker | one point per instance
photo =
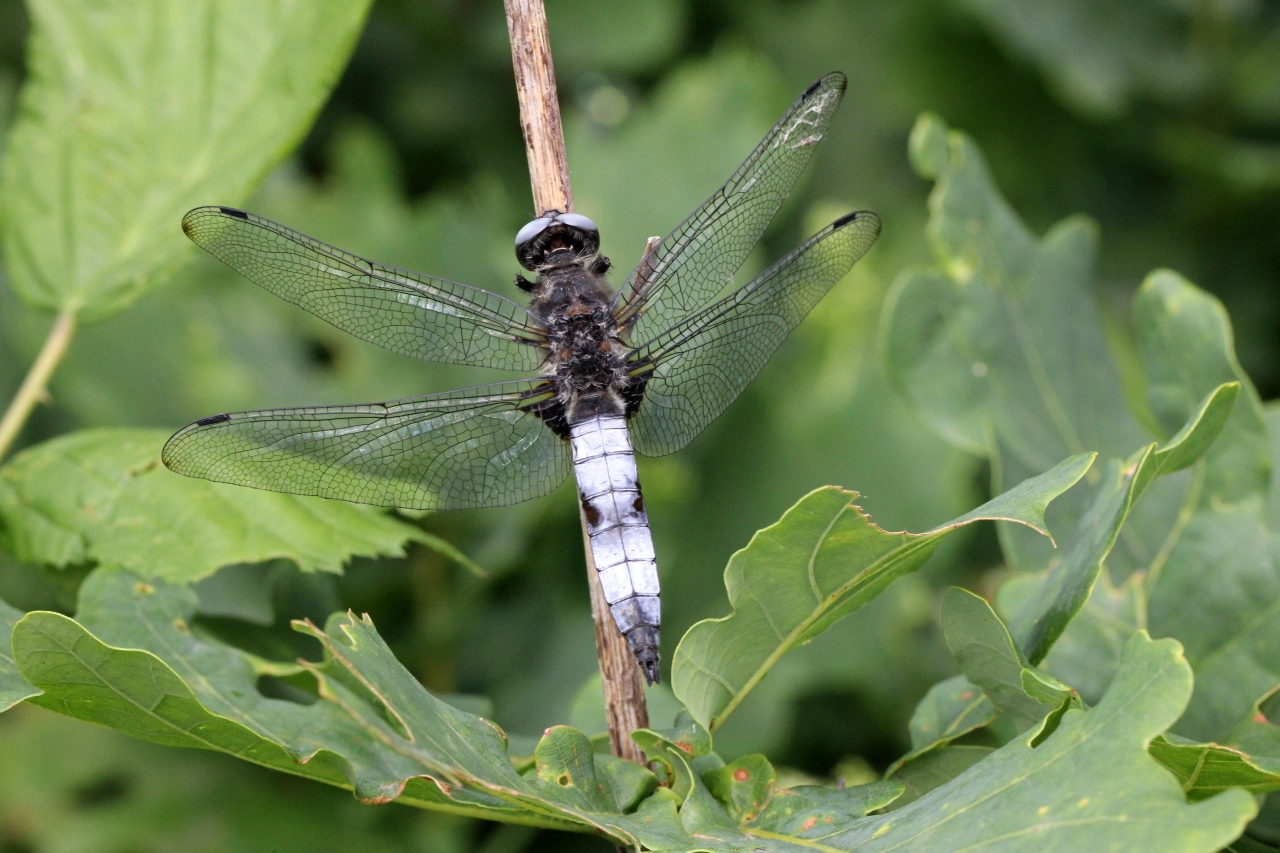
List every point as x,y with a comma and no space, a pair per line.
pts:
132,662
117,137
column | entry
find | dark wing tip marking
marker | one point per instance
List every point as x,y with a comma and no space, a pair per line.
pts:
238,214
213,419
858,215
836,79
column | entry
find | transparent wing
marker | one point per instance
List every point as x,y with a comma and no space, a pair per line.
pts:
406,312
475,447
694,371
697,260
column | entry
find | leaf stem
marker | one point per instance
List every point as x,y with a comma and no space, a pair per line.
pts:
624,698
33,387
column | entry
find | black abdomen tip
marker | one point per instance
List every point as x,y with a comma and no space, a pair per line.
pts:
648,660
643,640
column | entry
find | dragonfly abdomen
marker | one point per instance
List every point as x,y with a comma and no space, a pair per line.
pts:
618,526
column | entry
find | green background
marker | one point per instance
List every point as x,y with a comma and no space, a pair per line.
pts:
1160,121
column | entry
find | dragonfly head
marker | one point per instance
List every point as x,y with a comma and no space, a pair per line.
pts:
554,232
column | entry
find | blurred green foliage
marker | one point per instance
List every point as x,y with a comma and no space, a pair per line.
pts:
1161,121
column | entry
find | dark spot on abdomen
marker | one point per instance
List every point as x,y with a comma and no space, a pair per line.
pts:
638,504
592,514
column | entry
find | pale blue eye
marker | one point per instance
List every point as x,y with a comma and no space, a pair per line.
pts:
577,220
533,229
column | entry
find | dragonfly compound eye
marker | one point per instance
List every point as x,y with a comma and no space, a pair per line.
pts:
554,230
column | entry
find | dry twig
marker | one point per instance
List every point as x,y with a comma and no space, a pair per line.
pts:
624,700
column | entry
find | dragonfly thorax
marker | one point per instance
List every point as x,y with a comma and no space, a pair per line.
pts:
586,359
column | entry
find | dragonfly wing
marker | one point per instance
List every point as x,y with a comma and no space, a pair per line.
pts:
693,371
476,447
406,312
697,260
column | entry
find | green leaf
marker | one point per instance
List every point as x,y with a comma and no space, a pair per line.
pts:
1216,584
813,812
103,496
1089,786
787,820
1097,57
1064,592
134,664
672,749
987,655
960,339
743,786
13,687
1206,769
130,117
823,560
1088,654
922,771
951,709
566,765
1000,346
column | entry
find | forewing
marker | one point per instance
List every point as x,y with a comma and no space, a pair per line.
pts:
406,312
697,260
698,368
463,449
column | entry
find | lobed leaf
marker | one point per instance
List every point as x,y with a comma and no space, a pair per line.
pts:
823,560
132,661
1089,786
134,664
133,113
1061,595
1215,584
1000,347
102,496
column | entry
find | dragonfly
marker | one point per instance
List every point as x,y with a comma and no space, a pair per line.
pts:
644,369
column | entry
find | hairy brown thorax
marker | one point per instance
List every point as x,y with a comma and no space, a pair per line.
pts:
586,354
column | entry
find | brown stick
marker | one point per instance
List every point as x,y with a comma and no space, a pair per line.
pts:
539,106
624,701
